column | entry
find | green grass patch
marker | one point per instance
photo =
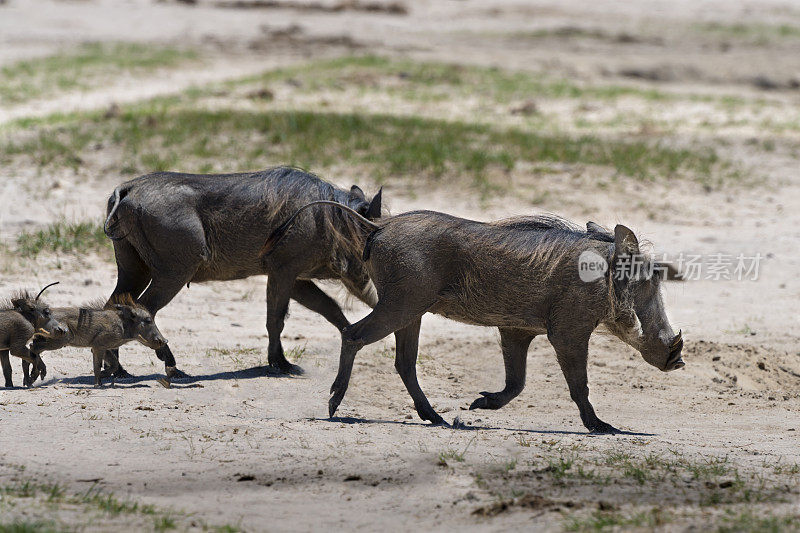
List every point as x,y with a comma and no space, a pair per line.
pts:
164,136
756,33
47,504
615,520
750,522
434,81
82,67
63,237
28,526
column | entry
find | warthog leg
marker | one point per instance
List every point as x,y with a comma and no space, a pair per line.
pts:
163,288
515,345
572,351
133,276
39,345
29,376
97,366
121,373
6,363
405,363
382,321
307,294
279,290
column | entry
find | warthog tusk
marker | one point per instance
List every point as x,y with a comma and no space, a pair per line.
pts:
43,332
678,338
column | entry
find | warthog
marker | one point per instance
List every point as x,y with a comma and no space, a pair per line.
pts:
521,275
103,328
172,229
20,318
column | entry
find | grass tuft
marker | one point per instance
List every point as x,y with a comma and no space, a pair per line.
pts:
63,237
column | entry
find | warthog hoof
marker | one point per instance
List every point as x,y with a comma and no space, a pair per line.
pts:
334,401
285,367
121,373
174,373
601,428
488,400
426,412
437,420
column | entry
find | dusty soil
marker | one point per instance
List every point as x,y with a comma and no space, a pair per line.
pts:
235,444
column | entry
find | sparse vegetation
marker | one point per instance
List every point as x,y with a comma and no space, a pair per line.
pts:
648,484
80,68
157,137
64,237
241,357
608,520
47,500
755,33
750,522
417,80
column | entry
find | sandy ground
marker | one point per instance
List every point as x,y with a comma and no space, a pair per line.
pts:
234,444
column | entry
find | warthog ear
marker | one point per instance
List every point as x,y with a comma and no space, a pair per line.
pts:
625,241
356,192
124,311
374,210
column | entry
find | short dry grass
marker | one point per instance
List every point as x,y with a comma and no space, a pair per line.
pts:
622,488
27,505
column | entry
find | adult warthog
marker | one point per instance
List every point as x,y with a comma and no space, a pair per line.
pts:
527,276
171,229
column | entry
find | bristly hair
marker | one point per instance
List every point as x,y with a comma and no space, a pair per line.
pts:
538,222
347,235
99,304
122,299
5,303
544,240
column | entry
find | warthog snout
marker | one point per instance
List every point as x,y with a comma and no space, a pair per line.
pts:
61,331
154,342
675,361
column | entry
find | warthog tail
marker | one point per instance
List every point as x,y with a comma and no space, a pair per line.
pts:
281,231
113,204
46,287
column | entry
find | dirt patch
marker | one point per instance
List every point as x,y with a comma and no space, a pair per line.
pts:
530,502
391,8
295,37
773,373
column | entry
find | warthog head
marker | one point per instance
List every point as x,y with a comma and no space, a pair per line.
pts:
38,314
639,318
357,200
138,324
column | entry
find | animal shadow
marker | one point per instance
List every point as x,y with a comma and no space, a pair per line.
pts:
460,426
